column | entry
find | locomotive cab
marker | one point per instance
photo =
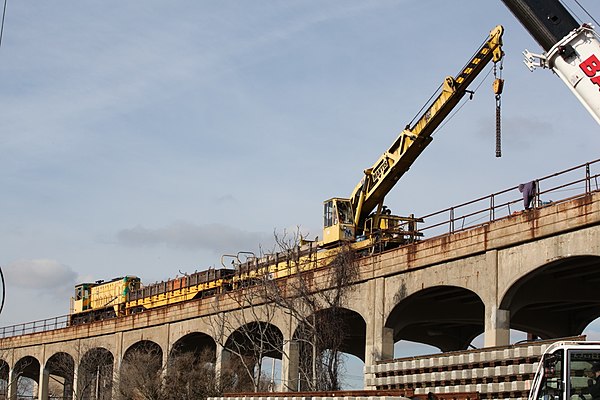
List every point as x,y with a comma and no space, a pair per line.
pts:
83,299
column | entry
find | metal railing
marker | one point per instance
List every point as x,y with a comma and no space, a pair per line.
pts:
559,187
565,185
42,325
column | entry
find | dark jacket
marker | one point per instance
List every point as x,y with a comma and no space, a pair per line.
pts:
594,388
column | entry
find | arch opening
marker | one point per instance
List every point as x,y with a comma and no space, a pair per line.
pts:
556,300
445,317
95,374
330,341
61,371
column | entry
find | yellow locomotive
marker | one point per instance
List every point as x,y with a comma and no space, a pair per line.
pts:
126,295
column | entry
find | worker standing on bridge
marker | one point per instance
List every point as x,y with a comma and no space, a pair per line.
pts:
528,190
594,383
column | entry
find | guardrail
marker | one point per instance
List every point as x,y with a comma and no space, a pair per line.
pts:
42,325
576,182
559,187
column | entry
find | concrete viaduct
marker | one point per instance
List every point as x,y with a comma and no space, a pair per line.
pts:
536,271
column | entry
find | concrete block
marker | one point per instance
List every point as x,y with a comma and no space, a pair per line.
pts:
504,387
466,374
497,355
486,356
518,386
474,357
477,373
397,366
445,375
534,351
471,388
508,354
444,361
501,371
527,368
512,369
520,352
426,377
493,387
489,371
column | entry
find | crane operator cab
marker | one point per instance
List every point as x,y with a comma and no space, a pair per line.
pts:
338,221
566,372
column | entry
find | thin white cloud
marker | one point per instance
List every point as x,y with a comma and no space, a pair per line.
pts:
39,274
217,238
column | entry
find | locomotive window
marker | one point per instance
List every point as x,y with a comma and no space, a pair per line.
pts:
78,293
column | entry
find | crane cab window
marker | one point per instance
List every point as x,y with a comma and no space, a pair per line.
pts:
345,212
337,211
328,214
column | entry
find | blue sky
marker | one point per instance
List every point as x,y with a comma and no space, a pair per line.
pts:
151,137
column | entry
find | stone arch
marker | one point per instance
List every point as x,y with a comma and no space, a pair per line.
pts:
61,370
26,375
244,338
95,374
447,317
339,329
557,299
350,328
246,348
141,369
4,378
199,344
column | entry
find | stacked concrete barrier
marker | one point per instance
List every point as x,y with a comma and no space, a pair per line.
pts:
393,394
494,373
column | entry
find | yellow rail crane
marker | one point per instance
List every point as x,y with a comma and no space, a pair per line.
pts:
352,219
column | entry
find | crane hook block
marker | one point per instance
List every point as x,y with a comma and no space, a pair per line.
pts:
498,85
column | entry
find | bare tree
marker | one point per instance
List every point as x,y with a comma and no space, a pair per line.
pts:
94,374
314,296
247,336
141,375
185,375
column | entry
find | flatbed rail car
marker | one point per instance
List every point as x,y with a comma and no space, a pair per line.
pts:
197,285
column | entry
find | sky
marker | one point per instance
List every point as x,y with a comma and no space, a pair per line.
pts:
149,138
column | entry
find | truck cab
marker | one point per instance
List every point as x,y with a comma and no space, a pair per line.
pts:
565,372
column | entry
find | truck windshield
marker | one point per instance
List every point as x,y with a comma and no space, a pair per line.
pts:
581,377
